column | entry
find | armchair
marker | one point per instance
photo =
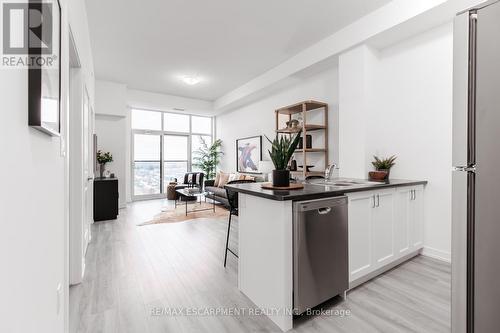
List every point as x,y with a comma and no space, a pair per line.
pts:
192,179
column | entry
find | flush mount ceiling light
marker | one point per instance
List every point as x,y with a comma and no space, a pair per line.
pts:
190,80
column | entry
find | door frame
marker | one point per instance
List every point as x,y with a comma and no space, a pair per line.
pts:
78,212
88,179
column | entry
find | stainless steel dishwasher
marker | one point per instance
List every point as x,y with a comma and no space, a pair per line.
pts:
320,246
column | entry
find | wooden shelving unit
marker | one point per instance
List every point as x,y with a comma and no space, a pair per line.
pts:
311,150
307,128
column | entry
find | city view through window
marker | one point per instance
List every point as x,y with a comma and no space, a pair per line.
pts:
163,146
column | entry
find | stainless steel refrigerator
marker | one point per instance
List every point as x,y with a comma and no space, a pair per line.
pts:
476,172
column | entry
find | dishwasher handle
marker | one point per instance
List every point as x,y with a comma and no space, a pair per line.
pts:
324,211
320,205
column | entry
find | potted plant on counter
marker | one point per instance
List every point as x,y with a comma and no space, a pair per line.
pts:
282,149
383,168
102,159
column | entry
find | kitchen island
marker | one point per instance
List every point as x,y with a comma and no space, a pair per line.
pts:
385,228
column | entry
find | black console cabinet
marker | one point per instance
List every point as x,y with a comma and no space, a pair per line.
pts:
105,199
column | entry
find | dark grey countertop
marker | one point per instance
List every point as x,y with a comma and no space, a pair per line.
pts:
311,191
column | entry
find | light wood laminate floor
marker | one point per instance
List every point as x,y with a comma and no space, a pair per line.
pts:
134,271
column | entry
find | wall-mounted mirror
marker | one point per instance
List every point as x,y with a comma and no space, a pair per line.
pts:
44,76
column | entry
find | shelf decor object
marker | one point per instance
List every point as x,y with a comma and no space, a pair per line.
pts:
308,129
308,142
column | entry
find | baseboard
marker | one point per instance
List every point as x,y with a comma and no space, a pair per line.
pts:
436,254
354,283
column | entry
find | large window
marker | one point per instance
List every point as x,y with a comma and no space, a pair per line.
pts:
202,125
175,157
163,148
146,120
173,122
147,164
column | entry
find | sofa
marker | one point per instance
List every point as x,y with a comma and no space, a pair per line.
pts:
219,193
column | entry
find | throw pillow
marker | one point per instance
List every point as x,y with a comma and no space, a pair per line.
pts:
217,178
233,176
224,178
249,177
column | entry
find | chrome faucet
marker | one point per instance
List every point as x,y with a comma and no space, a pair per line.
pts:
329,170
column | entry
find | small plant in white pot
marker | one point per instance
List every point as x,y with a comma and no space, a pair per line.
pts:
282,149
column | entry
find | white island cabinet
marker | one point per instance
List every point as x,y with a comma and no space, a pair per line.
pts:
385,229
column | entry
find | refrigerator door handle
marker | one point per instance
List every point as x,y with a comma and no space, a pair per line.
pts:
471,103
471,168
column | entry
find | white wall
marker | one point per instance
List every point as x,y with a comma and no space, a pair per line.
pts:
258,118
401,105
34,206
110,98
108,129
412,118
111,122
356,75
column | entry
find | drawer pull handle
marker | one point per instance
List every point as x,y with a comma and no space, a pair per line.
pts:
323,211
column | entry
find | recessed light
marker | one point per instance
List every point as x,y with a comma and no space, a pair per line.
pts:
191,80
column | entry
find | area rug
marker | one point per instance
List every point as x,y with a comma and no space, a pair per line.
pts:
175,215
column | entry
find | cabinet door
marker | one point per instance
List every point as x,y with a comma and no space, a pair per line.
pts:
402,221
360,234
383,228
417,218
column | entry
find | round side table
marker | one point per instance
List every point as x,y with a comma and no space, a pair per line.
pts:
171,194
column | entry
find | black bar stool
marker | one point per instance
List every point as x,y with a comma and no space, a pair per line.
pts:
232,198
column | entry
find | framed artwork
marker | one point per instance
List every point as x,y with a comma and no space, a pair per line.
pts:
44,76
248,154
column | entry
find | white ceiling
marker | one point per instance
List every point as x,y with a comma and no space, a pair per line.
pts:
147,44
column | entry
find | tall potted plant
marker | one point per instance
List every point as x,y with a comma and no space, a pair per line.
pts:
282,149
102,159
206,158
383,167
